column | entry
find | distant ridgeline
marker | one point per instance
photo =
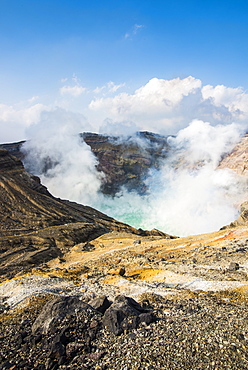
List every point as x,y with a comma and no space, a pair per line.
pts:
124,161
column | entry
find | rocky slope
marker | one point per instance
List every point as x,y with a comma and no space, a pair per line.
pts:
35,226
194,333
188,308
92,293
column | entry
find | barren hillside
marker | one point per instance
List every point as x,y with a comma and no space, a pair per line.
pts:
67,271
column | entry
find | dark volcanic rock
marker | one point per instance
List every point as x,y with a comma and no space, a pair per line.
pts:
100,304
125,314
209,337
127,162
55,311
14,149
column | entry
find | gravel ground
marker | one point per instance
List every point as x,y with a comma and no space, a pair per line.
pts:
205,331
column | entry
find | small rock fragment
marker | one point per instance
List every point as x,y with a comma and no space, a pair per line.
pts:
234,266
122,271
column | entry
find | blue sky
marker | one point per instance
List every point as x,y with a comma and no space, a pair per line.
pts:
47,43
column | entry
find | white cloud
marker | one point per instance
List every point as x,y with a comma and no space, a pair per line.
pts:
134,31
110,87
162,106
15,120
75,78
137,27
234,99
167,106
123,129
28,115
98,89
75,91
113,88
156,96
151,104
34,98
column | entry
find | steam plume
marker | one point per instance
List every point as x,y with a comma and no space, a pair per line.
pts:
189,194
64,163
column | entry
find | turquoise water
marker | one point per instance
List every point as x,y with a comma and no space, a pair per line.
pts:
133,218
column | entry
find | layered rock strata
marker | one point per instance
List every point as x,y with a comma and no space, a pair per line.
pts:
35,226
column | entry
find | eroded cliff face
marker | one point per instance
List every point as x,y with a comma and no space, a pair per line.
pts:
127,162
35,226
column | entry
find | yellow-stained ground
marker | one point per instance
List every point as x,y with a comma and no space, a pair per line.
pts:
171,267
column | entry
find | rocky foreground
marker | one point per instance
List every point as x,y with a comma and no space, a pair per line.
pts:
129,302
80,290
198,332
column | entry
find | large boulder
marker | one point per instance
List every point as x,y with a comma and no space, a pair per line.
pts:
125,314
56,310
